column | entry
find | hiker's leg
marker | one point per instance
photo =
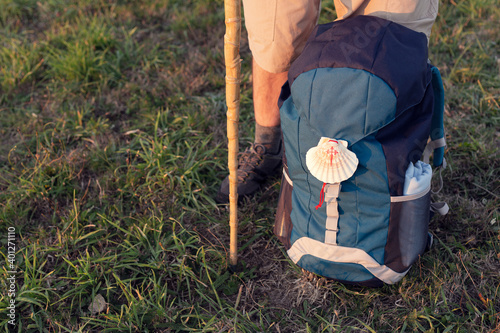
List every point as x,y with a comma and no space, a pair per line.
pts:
277,33
278,30
266,90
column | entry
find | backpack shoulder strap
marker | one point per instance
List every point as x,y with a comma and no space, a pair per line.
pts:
437,142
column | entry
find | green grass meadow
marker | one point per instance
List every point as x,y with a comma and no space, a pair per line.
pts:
112,131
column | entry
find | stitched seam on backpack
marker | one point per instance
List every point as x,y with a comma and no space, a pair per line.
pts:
357,211
366,101
378,46
301,163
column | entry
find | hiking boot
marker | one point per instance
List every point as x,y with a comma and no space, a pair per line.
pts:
255,165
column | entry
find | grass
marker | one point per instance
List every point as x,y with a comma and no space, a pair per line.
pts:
113,146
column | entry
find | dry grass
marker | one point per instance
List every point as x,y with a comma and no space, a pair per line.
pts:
113,141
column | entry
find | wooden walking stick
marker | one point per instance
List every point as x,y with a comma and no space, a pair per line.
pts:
232,10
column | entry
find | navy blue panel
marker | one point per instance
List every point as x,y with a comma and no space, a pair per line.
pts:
404,141
395,53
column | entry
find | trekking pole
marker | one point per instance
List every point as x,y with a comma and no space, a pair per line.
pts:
232,9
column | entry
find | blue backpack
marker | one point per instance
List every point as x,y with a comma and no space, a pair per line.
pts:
357,111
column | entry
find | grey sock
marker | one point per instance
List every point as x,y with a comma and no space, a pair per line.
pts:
269,137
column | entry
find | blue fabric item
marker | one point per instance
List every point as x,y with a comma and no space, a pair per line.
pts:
405,139
418,178
437,126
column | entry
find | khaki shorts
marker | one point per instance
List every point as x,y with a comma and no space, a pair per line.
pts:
278,29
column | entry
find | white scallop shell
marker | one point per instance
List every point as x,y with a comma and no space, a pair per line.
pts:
330,161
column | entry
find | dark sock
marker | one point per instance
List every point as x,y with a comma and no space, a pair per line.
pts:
269,137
